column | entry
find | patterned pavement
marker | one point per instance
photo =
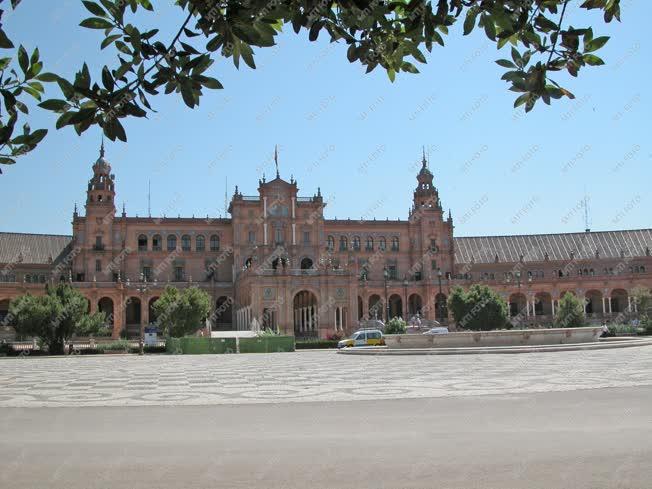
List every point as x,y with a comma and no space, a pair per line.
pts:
130,380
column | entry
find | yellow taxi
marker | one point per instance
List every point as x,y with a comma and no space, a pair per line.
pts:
364,337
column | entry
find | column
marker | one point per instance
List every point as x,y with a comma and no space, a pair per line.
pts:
293,204
609,298
552,302
527,308
629,303
265,234
294,234
604,306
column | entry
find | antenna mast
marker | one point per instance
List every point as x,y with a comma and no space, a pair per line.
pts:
587,221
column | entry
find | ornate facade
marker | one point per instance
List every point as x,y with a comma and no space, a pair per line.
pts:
278,262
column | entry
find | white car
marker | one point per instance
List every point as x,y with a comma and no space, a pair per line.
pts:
438,330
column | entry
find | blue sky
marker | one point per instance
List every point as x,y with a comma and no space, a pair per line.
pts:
357,136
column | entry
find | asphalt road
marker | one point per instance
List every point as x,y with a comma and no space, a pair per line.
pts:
593,439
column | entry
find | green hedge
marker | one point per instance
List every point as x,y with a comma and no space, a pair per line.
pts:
315,344
196,346
267,344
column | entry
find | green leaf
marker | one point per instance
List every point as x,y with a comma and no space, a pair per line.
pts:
4,62
391,74
592,60
54,105
505,63
96,23
595,44
5,42
469,21
208,82
94,8
23,59
47,77
109,39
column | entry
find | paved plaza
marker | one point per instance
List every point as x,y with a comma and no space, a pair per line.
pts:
130,380
316,419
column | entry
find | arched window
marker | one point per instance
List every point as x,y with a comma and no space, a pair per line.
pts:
344,243
200,243
370,243
172,242
142,243
395,243
356,243
157,242
382,244
215,242
185,242
330,244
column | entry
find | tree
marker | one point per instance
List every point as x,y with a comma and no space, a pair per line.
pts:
54,317
395,326
643,300
386,34
180,313
570,313
479,309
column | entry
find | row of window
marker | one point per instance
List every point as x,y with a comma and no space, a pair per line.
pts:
539,274
356,243
171,242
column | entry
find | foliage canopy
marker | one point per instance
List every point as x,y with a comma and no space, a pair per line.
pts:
181,312
390,34
478,309
55,317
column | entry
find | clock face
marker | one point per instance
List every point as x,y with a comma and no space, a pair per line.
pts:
268,293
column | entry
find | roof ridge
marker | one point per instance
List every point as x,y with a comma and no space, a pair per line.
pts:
38,234
553,234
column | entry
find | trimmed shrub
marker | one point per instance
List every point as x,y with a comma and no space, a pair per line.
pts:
395,326
315,344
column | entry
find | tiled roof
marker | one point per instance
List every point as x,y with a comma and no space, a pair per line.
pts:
32,248
609,244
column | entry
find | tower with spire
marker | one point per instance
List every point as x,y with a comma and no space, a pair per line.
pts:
426,196
100,195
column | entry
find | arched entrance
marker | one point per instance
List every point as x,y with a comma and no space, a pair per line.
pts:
395,306
4,309
375,307
306,264
223,314
151,311
305,314
133,317
543,304
517,304
619,301
441,307
105,305
593,302
415,305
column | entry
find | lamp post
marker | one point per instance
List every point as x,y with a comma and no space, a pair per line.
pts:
142,288
386,277
407,306
439,311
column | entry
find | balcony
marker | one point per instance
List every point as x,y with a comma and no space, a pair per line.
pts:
99,247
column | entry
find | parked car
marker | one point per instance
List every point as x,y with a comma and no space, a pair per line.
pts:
365,337
438,330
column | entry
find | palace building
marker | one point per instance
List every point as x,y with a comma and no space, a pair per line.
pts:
278,262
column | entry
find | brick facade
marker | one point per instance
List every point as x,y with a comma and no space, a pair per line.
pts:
278,261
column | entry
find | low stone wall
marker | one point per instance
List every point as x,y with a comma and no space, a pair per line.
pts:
551,336
196,346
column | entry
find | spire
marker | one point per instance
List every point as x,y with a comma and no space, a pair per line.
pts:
424,162
75,211
276,160
102,147
450,216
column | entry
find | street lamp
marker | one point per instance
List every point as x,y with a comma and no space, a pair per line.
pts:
439,304
142,288
407,307
386,278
